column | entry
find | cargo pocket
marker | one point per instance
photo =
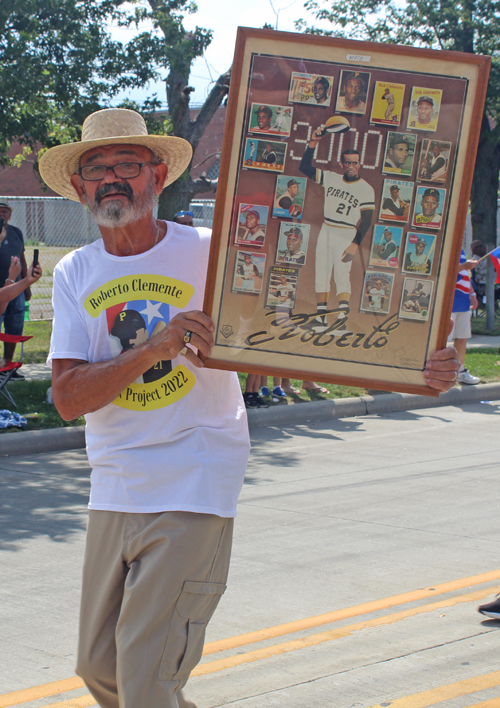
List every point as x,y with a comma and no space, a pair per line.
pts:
186,634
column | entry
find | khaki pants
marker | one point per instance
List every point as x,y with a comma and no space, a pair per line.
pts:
151,583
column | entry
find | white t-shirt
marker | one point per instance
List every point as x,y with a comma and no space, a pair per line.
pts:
178,439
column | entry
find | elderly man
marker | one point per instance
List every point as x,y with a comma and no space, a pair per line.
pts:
12,246
167,439
168,453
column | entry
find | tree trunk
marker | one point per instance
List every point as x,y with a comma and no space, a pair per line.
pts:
177,196
484,194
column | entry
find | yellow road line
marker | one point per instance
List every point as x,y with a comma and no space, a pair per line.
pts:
37,692
364,609
446,693
315,639
81,702
70,684
494,703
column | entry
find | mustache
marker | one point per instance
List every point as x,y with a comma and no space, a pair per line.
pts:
116,188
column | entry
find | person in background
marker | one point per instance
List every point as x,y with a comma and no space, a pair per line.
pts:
184,217
251,395
12,246
461,314
12,287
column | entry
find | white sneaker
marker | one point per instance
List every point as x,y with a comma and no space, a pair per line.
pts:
464,377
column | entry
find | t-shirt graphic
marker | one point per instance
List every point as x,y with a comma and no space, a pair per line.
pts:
131,322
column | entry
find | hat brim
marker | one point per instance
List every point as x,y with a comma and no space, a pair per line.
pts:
60,162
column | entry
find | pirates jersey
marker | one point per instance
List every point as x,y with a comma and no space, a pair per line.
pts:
344,201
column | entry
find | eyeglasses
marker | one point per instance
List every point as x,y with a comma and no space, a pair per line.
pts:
124,170
185,213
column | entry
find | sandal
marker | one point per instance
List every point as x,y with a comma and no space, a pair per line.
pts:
316,389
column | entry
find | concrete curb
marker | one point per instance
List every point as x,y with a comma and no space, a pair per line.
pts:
368,405
57,439
51,440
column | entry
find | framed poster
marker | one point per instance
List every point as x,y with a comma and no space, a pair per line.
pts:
361,198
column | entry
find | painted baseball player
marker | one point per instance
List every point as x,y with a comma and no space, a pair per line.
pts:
264,115
251,230
248,270
428,216
294,253
284,292
377,294
348,211
389,97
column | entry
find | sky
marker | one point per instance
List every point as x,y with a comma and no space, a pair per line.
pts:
223,17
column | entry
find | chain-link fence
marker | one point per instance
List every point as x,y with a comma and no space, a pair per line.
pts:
57,226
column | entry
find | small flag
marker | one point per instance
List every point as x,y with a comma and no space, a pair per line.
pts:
463,277
495,259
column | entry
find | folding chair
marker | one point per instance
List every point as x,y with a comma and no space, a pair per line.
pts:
7,371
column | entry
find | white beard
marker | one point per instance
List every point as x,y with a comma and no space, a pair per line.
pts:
113,213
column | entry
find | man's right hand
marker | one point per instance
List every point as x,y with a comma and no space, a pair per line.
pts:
316,137
170,341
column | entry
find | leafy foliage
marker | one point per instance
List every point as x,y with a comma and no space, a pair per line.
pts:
459,25
71,66
465,26
58,61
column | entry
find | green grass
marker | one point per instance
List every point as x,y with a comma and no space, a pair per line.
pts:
484,363
30,397
36,349
478,326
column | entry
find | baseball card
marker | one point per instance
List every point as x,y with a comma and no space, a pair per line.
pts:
386,246
252,224
396,200
310,88
289,197
416,299
264,155
425,104
429,208
282,288
419,253
248,272
387,103
434,160
353,91
270,120
377,292
292,243
399,153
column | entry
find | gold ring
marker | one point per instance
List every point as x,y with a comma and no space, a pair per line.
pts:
187,337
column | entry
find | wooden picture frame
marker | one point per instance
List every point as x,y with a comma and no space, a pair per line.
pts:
380,340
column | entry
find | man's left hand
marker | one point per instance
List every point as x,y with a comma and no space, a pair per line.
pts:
349,252
442,369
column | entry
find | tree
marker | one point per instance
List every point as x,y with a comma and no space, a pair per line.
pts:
179,50
58,63
460,25
71,66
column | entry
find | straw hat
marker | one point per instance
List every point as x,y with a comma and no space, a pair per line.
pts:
111,125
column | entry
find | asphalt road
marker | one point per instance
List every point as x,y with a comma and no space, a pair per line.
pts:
362,548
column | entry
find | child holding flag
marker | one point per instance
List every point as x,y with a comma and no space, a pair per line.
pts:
461,314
